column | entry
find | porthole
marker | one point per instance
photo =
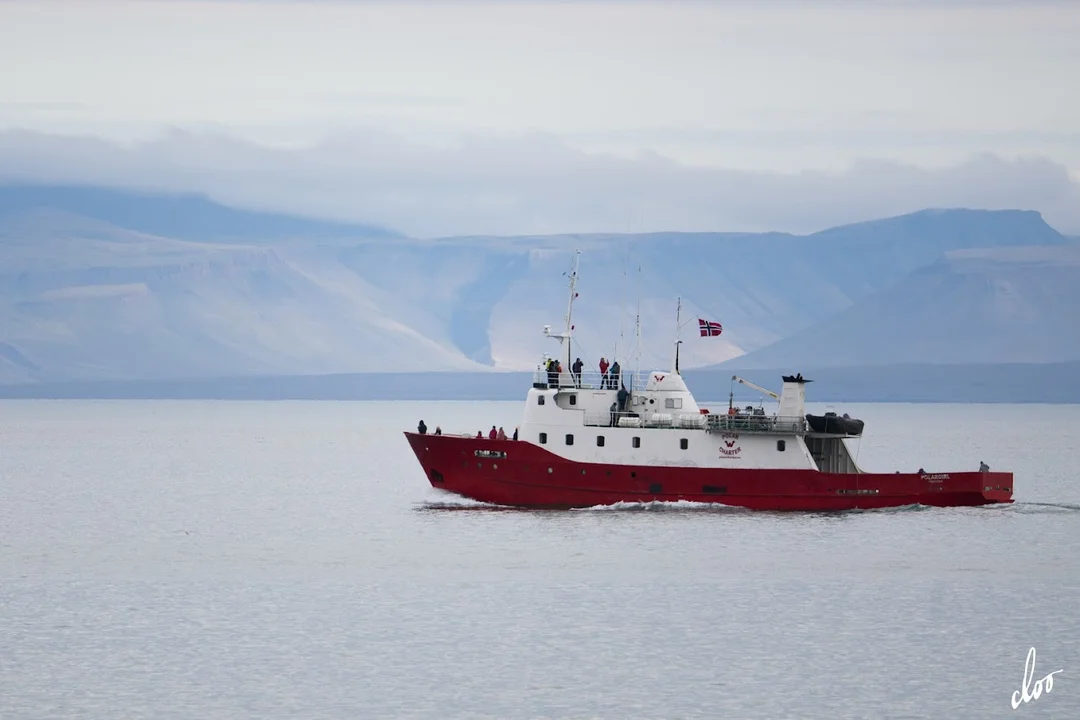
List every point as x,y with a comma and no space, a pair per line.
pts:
684,443
781,445
543,438
636,442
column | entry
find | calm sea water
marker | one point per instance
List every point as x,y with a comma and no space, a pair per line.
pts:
288,560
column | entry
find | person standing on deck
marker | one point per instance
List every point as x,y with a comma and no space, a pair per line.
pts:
614,377
603,372
421,428
623,395
576,368
493,434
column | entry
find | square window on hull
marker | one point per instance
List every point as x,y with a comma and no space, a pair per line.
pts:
543,438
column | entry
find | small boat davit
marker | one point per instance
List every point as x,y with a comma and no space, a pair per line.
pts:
589,439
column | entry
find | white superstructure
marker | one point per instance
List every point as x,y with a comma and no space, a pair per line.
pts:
659,423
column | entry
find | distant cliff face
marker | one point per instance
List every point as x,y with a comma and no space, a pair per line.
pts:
992,305
108,285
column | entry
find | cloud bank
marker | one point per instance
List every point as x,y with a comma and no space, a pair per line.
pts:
530,184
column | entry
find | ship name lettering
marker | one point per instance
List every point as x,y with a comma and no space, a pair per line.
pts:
940,476
1027,693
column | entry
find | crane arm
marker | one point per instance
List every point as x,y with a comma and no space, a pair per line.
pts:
770,393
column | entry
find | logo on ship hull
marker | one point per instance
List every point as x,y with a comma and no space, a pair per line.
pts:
731,447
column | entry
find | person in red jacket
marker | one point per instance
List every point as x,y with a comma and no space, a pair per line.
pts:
493,434
603,372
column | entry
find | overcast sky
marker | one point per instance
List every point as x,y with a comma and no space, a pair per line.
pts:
505,117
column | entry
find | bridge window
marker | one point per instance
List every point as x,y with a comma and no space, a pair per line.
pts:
636,442
673,403
599,441
684,443
569,439
543,438
573,399
781,445
539,399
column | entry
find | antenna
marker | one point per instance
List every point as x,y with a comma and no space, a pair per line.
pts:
622,307
637,330
678,327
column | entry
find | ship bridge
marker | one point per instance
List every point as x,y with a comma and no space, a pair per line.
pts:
657,399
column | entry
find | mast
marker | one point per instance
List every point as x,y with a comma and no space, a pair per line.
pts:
564,336
570,307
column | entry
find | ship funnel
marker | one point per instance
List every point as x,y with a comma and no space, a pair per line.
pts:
793,396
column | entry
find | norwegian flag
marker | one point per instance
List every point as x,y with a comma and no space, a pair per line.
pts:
710,329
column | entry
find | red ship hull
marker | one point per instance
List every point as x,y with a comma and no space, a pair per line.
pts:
520,474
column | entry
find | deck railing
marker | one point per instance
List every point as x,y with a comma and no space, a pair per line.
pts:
685,421
786,425
591,380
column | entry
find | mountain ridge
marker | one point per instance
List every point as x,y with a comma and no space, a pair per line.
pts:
82,298
190,216
1004,304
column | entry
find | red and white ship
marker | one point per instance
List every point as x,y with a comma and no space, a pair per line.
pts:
577,447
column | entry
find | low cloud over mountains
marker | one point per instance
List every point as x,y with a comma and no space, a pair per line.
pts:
512,185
